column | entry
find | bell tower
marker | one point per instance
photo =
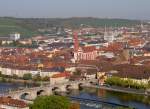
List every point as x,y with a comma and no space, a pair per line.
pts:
76,46
76,42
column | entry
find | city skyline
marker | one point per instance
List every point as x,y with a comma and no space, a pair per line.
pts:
127,9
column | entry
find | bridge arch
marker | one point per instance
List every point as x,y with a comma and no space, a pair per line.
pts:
25,95
40,92
80,85
68,87
54,89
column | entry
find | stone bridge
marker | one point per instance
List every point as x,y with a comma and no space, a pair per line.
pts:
32,93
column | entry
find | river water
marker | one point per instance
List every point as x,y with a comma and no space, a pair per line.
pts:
95,95
131,100
6,87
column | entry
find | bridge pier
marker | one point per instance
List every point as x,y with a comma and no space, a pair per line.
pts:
63,88
74,86
33,94
48,91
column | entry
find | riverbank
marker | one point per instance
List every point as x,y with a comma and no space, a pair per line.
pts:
120,89
11,80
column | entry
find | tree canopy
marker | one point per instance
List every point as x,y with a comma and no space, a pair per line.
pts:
117,81
51,102
27,76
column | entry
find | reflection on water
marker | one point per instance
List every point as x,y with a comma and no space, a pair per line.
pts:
5,87
131,100
125,97
90,105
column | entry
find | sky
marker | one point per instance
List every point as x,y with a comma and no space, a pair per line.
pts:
128,9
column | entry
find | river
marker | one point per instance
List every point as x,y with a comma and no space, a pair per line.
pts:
95,94
131,100
5,87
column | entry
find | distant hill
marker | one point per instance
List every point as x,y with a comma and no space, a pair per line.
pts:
29,26
10,25
96,22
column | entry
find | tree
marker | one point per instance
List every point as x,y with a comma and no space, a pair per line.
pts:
15,43
1,74
149,84
77,72
27,76
14,76
46,78
3,79
1,43
51,102
128,83
37,77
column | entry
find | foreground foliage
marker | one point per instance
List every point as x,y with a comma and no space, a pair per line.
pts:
51,102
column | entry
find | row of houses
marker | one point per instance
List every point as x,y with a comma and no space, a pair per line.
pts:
21,72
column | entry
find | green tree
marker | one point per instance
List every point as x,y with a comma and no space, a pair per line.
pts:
46,78
117,81
37,77
149,84
15,43
77,72
51,102
1,74
27,76
3,79
1,43
14,76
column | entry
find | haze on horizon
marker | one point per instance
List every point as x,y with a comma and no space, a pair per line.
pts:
128,9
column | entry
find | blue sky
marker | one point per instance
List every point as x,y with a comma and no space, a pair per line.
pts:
132,9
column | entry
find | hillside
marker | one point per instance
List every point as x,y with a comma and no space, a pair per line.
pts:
29,26
95,22
10,25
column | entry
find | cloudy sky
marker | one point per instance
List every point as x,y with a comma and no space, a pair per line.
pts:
132,9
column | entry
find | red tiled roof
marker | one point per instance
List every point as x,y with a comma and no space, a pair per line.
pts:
89,48
135,41
65,74
112,47
12,102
